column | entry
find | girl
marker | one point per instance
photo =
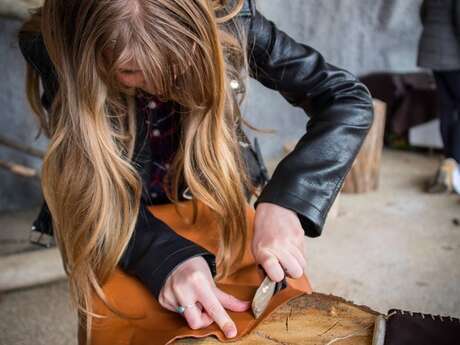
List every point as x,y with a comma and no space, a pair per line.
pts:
117,72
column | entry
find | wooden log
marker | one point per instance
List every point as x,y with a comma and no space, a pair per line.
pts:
18,9
307,320
364,175
19,169
21,147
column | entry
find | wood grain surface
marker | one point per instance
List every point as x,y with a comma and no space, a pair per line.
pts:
364,175
310,319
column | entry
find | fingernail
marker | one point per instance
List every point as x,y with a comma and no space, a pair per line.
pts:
230,331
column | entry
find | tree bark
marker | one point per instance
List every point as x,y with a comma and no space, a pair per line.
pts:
364,175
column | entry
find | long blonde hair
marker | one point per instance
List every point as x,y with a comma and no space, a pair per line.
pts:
188,53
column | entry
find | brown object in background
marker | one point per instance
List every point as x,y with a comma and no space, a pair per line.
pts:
364,175
411,100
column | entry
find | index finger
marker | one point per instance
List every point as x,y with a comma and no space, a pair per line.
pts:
216,311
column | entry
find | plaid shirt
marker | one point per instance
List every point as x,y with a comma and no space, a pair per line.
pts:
163,131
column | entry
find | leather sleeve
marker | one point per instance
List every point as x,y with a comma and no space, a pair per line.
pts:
34,52
340,108
155,249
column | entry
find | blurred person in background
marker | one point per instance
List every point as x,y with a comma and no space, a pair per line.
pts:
439,50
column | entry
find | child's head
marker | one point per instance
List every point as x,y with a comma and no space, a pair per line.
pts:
172,48
130,75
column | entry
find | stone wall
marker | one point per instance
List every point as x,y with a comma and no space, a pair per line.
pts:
16,122
359,35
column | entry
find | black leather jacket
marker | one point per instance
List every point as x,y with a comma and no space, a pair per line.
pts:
306,181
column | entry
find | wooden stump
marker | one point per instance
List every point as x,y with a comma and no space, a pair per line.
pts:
310,319
364,175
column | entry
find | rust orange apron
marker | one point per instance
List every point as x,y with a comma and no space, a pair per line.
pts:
160,326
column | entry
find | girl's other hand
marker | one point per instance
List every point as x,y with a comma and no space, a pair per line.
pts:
278,243
191,284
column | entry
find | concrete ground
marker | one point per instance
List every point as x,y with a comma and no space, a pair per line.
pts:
397,247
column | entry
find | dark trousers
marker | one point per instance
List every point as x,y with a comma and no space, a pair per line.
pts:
448,86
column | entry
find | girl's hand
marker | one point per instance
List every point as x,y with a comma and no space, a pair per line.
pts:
278,243
191,283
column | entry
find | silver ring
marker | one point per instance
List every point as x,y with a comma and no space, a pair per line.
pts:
181,308
187,194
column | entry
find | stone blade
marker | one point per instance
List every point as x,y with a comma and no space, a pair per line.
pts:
262,296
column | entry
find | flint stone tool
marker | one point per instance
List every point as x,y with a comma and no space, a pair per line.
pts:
264,293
